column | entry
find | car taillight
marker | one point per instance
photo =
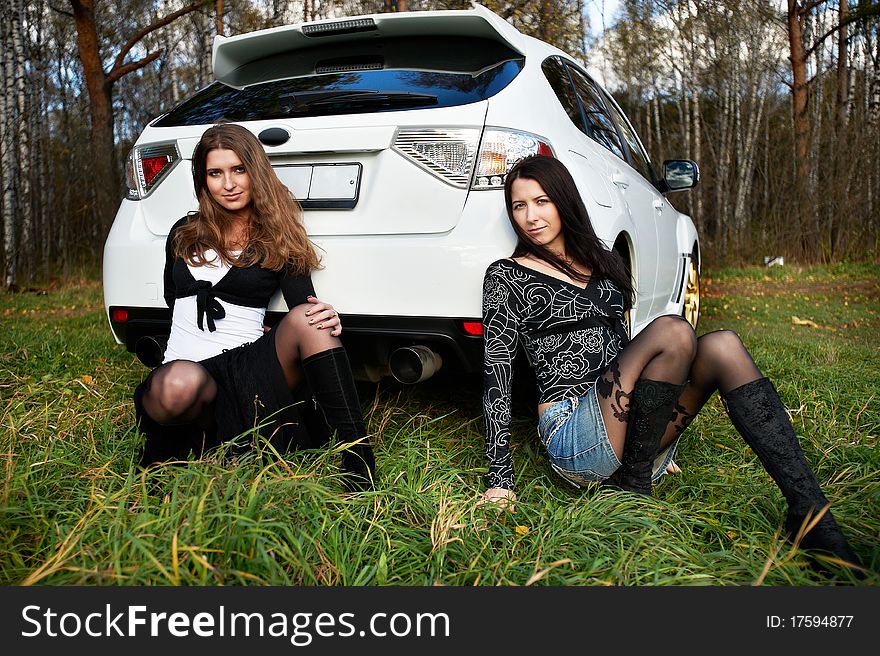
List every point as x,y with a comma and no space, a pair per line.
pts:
472,327
500,150
147,166
451,153
119,314
447,153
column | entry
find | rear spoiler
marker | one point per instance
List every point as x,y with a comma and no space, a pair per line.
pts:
230,54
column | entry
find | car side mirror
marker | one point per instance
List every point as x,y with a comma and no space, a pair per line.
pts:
680,174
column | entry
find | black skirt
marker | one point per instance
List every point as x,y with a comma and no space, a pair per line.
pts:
253,401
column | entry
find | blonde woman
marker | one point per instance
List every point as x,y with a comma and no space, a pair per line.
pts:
223,373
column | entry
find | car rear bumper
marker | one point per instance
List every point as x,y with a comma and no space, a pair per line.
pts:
369,339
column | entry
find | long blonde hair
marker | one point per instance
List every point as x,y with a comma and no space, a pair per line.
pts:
277,238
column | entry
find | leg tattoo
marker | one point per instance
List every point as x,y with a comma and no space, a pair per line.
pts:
608,385
681,418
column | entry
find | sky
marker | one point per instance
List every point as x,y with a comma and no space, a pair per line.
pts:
595,9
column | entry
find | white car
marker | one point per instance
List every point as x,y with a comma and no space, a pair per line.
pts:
395,131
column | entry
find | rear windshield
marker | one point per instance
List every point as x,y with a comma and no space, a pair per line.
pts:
361,77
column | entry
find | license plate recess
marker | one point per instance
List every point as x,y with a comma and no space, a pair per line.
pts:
323,186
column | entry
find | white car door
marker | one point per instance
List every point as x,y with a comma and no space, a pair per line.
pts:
647,199
633,189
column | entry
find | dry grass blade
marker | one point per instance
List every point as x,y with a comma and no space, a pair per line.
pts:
447,520
537,576
64,551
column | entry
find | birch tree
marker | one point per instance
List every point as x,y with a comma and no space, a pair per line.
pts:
798,15
15,142
8,154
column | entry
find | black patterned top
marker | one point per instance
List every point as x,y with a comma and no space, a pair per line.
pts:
569,335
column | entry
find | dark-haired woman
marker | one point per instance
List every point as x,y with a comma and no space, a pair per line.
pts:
224,374
611,410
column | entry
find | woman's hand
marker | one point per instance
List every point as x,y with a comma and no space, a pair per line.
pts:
323,317
500,497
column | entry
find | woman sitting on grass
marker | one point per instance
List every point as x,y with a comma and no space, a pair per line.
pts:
223,374
611,409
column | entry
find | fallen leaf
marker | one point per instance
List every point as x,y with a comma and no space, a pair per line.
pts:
521,530
803,322
87,379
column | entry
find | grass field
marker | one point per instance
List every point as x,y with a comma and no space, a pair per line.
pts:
75,510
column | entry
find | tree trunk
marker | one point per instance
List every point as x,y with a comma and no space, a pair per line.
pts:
100,90
842,108
658,128
8,167
15,214
698,155
99,85
873,84
41,146
25,213
310,10
722,167
799,92
816,205
62,162
746,165
219,11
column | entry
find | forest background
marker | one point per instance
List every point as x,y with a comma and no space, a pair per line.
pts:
777,100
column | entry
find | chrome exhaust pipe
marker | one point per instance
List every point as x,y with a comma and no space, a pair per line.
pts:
413,364
150,350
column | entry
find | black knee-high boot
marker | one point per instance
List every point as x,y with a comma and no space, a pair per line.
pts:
329,376
759,416
650,412
166,442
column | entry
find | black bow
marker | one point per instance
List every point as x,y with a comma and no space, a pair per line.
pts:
207,305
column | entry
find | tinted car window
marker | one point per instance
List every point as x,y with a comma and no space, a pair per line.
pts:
639,158
599,123
376,76
554,71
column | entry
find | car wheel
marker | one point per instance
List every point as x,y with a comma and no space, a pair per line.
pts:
691,308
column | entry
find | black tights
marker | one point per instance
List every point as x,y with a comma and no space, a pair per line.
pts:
183,392
668,350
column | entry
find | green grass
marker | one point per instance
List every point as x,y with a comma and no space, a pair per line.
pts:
75,510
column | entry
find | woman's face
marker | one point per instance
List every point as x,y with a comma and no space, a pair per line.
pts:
228,181
536,215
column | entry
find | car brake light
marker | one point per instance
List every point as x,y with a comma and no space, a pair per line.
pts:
472,327
447,153
147,166
119,314
340,27
500,150
152,166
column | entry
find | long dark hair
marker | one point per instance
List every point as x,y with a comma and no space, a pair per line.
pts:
582,245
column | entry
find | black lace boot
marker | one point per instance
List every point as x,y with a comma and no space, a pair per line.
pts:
650,412
328,374
759,416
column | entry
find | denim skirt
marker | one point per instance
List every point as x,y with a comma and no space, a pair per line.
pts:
573,434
